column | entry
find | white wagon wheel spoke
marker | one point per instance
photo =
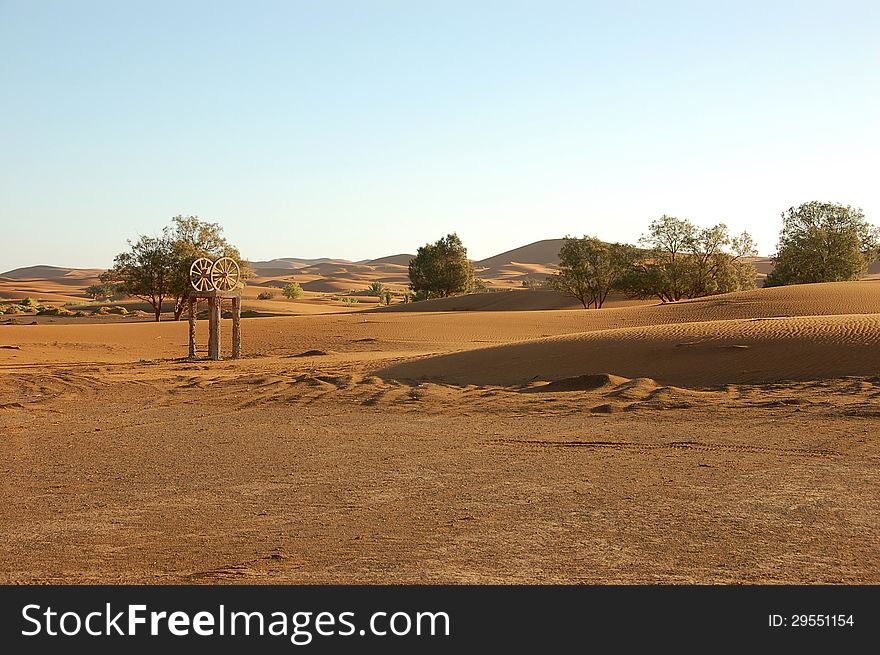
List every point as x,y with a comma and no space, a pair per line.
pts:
200,274
225,274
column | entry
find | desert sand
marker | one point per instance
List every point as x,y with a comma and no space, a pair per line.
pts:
730,439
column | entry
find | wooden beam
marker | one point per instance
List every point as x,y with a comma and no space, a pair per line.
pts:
192,328
214,328
236,327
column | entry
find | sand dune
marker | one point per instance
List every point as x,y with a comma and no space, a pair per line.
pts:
545,251
686,354
861,297
501,301
512,300
48,283
398,260
766,335
294,263
50,273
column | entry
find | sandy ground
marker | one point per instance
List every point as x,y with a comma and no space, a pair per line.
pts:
731,439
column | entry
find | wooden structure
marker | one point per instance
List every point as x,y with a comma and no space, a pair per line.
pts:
214,282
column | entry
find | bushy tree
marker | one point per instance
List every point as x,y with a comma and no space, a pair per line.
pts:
100,291
157,268
663,272
823,242
589,269
441,269
680,260
377,289
145,271
193,238
292,291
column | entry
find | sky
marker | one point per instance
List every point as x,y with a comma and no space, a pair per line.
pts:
364,128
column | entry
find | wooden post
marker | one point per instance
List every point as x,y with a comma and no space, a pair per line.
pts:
214,321
236,327
192,327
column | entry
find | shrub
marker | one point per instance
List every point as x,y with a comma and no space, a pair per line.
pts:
49,310
265,295
292,291
100,291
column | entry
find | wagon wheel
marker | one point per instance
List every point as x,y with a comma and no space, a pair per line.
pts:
225,274
200,274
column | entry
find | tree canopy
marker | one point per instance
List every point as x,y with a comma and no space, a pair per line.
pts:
292,290
192,238
441,269
156,268
589,269
823,242
680,260
100,291
145,271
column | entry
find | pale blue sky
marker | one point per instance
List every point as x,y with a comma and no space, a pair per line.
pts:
364,128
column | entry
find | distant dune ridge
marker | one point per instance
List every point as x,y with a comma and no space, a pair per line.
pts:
323,277
45,272
319,275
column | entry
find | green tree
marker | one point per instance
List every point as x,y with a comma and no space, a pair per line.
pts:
193,238
157,268
680,260
100,291
666,269
144,271
823,242
377,289
441,269
589,269
717,262
292,291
